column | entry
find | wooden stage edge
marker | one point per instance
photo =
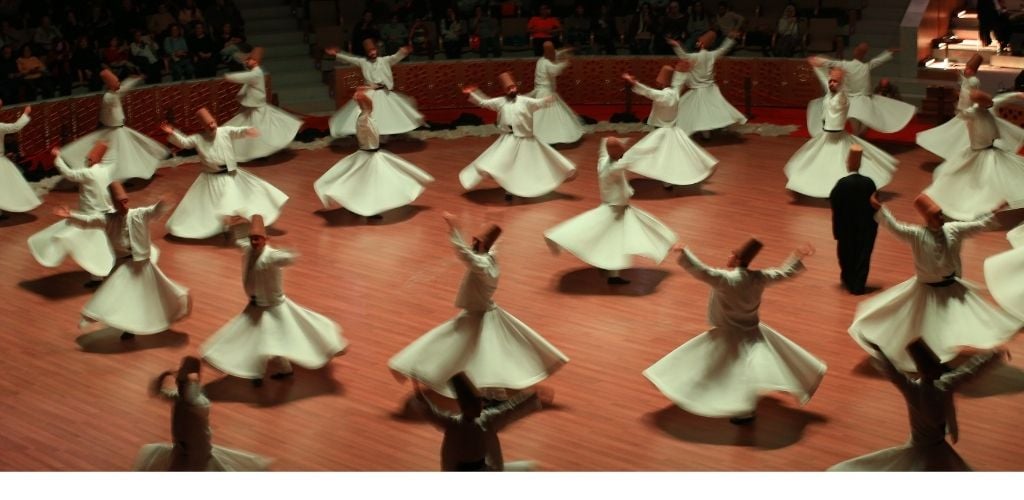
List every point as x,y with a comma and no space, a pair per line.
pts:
73,402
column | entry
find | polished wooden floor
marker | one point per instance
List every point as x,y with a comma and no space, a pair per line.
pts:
72,402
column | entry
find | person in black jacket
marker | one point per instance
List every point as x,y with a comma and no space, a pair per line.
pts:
992,17
853,223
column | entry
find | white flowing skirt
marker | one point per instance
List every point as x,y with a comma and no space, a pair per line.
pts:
522,166
393,112
814,125
881,113
243,346
939,457
816,167
557,123
950,138
1004,275
705,108
89,247
15,193
722,372
133,155
608,236
974,183
947,318
158,457
493,348
138,298
277,130
669,155
212,197
370,183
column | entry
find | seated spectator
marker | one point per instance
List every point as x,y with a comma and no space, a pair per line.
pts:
641,30
230,42
759,31
606,34
180,59
727,21
786,39
486,26
543,28
46,33
144,55
33,73
159,22
365,29
452,30
59,63
85,64
117,57
697,24
203,51
673,25
10,78
394,34
189,15
420,36
578,30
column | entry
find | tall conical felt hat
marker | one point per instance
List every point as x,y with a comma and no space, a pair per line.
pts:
746,253
707,39
982,98
96,154
926,206
487,235
257,54
549,51
854,156
665,75
616,147
363,99
117,191
974,62
257,228
506,80
109,79
368,45
205,117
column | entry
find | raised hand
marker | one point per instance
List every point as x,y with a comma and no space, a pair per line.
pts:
469,89
252,132
55,151
672,42
805,250
678,247
167,128
62,212
28,109
630,79
331,51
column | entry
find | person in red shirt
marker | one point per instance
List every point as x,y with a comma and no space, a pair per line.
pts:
543,28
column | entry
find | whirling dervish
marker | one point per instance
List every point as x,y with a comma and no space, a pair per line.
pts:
517,161
557,123
868,110
607,237
974,180
222,188
277,127
936,304
816,167
495,350
372,180
667,154
132,154
396,112
15,193
724,371
703,108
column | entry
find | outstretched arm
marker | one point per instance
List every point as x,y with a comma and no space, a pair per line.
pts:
880,59
906,232
696,268
129,83
480,99
724,48
963,229
965,372
792,266
10,128
343,56
242,77
177,138
512,410
474,261
436,415
397,57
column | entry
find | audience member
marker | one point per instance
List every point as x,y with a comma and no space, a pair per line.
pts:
144,55
486,26
578,29
33,73
452,31
177,50
641,30
786,39
203,50
674,24
543,28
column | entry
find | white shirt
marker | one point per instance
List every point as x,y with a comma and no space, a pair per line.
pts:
834,111
736,293
665,102
481,279
253,93
611,178
982,127
936,253
213,153
703,72
12,128
547,72
128,233
376,72
366,132
111,111
93,196
515,116
262,276
857,77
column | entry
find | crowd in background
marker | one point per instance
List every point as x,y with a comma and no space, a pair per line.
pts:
457,27
49,47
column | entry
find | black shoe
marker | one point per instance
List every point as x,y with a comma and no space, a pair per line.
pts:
668,187
282,376
257,382
374,217
618,280
509,197
93,283
742,420
127,336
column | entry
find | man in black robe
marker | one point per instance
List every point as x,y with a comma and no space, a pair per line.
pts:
853,223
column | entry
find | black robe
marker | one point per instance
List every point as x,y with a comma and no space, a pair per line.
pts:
854,228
